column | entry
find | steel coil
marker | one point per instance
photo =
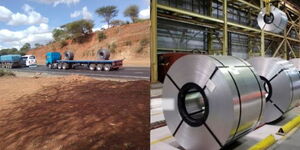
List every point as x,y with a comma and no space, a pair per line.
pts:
296,63
103,54
281,82
210,101
275,22
69,55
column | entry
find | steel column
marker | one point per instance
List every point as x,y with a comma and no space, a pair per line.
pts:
225,32
262,35
154,63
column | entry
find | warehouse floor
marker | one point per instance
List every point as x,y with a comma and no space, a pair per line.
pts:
161,137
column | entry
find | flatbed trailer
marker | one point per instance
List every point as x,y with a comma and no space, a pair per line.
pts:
106,65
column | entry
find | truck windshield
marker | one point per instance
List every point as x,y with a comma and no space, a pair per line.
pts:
32,57
24,58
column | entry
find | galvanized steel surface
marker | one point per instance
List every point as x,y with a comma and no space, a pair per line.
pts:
276,22
69,55
231,89
296,63
284,85
103,54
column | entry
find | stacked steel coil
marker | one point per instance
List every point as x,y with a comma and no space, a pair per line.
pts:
281,82
210,101
275,22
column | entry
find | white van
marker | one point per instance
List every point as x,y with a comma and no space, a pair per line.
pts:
29,60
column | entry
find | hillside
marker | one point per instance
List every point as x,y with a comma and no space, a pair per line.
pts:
131,42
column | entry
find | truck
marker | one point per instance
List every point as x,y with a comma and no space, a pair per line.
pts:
10,61
54,61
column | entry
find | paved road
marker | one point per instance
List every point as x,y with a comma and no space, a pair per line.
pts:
124,73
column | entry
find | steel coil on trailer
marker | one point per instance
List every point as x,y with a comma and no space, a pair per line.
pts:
275,22
281,82
210,101
103,54
69,55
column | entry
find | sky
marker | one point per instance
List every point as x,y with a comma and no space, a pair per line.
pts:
32,21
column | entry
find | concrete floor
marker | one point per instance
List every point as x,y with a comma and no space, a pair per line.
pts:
161,138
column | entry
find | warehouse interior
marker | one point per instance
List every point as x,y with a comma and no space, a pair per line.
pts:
214,29
202,26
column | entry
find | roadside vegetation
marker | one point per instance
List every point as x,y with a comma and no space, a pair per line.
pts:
77,31
6,73
101,36
22,51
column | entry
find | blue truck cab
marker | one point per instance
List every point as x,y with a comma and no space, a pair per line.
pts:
52,57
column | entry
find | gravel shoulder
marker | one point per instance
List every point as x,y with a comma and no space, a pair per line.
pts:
73,112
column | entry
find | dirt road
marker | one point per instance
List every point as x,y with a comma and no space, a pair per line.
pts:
73,113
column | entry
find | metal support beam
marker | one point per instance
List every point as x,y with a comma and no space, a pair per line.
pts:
215,20
262,35
225,31
153,59
209,38
248,4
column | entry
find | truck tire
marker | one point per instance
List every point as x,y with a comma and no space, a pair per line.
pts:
50,66
59,66
65,66
100,67
92,67
69,55
103,54
54,66
107,67
9,65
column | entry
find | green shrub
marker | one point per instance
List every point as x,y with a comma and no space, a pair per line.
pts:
63,43
112,47
6,73
140,49
78,31
101,36
144,42
128,43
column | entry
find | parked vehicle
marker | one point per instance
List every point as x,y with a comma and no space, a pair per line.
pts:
54,61
10,61
29,60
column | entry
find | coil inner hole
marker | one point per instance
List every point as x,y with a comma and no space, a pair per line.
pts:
193,104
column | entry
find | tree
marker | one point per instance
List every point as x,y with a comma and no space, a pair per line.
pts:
37,45
25,48
117,22
79,30
132,12
59,34
108,13
9,51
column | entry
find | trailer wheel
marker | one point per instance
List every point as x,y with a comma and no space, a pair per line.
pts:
54,66
50,66
107,67
100,67
9,65
59,66
65,66
92,67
